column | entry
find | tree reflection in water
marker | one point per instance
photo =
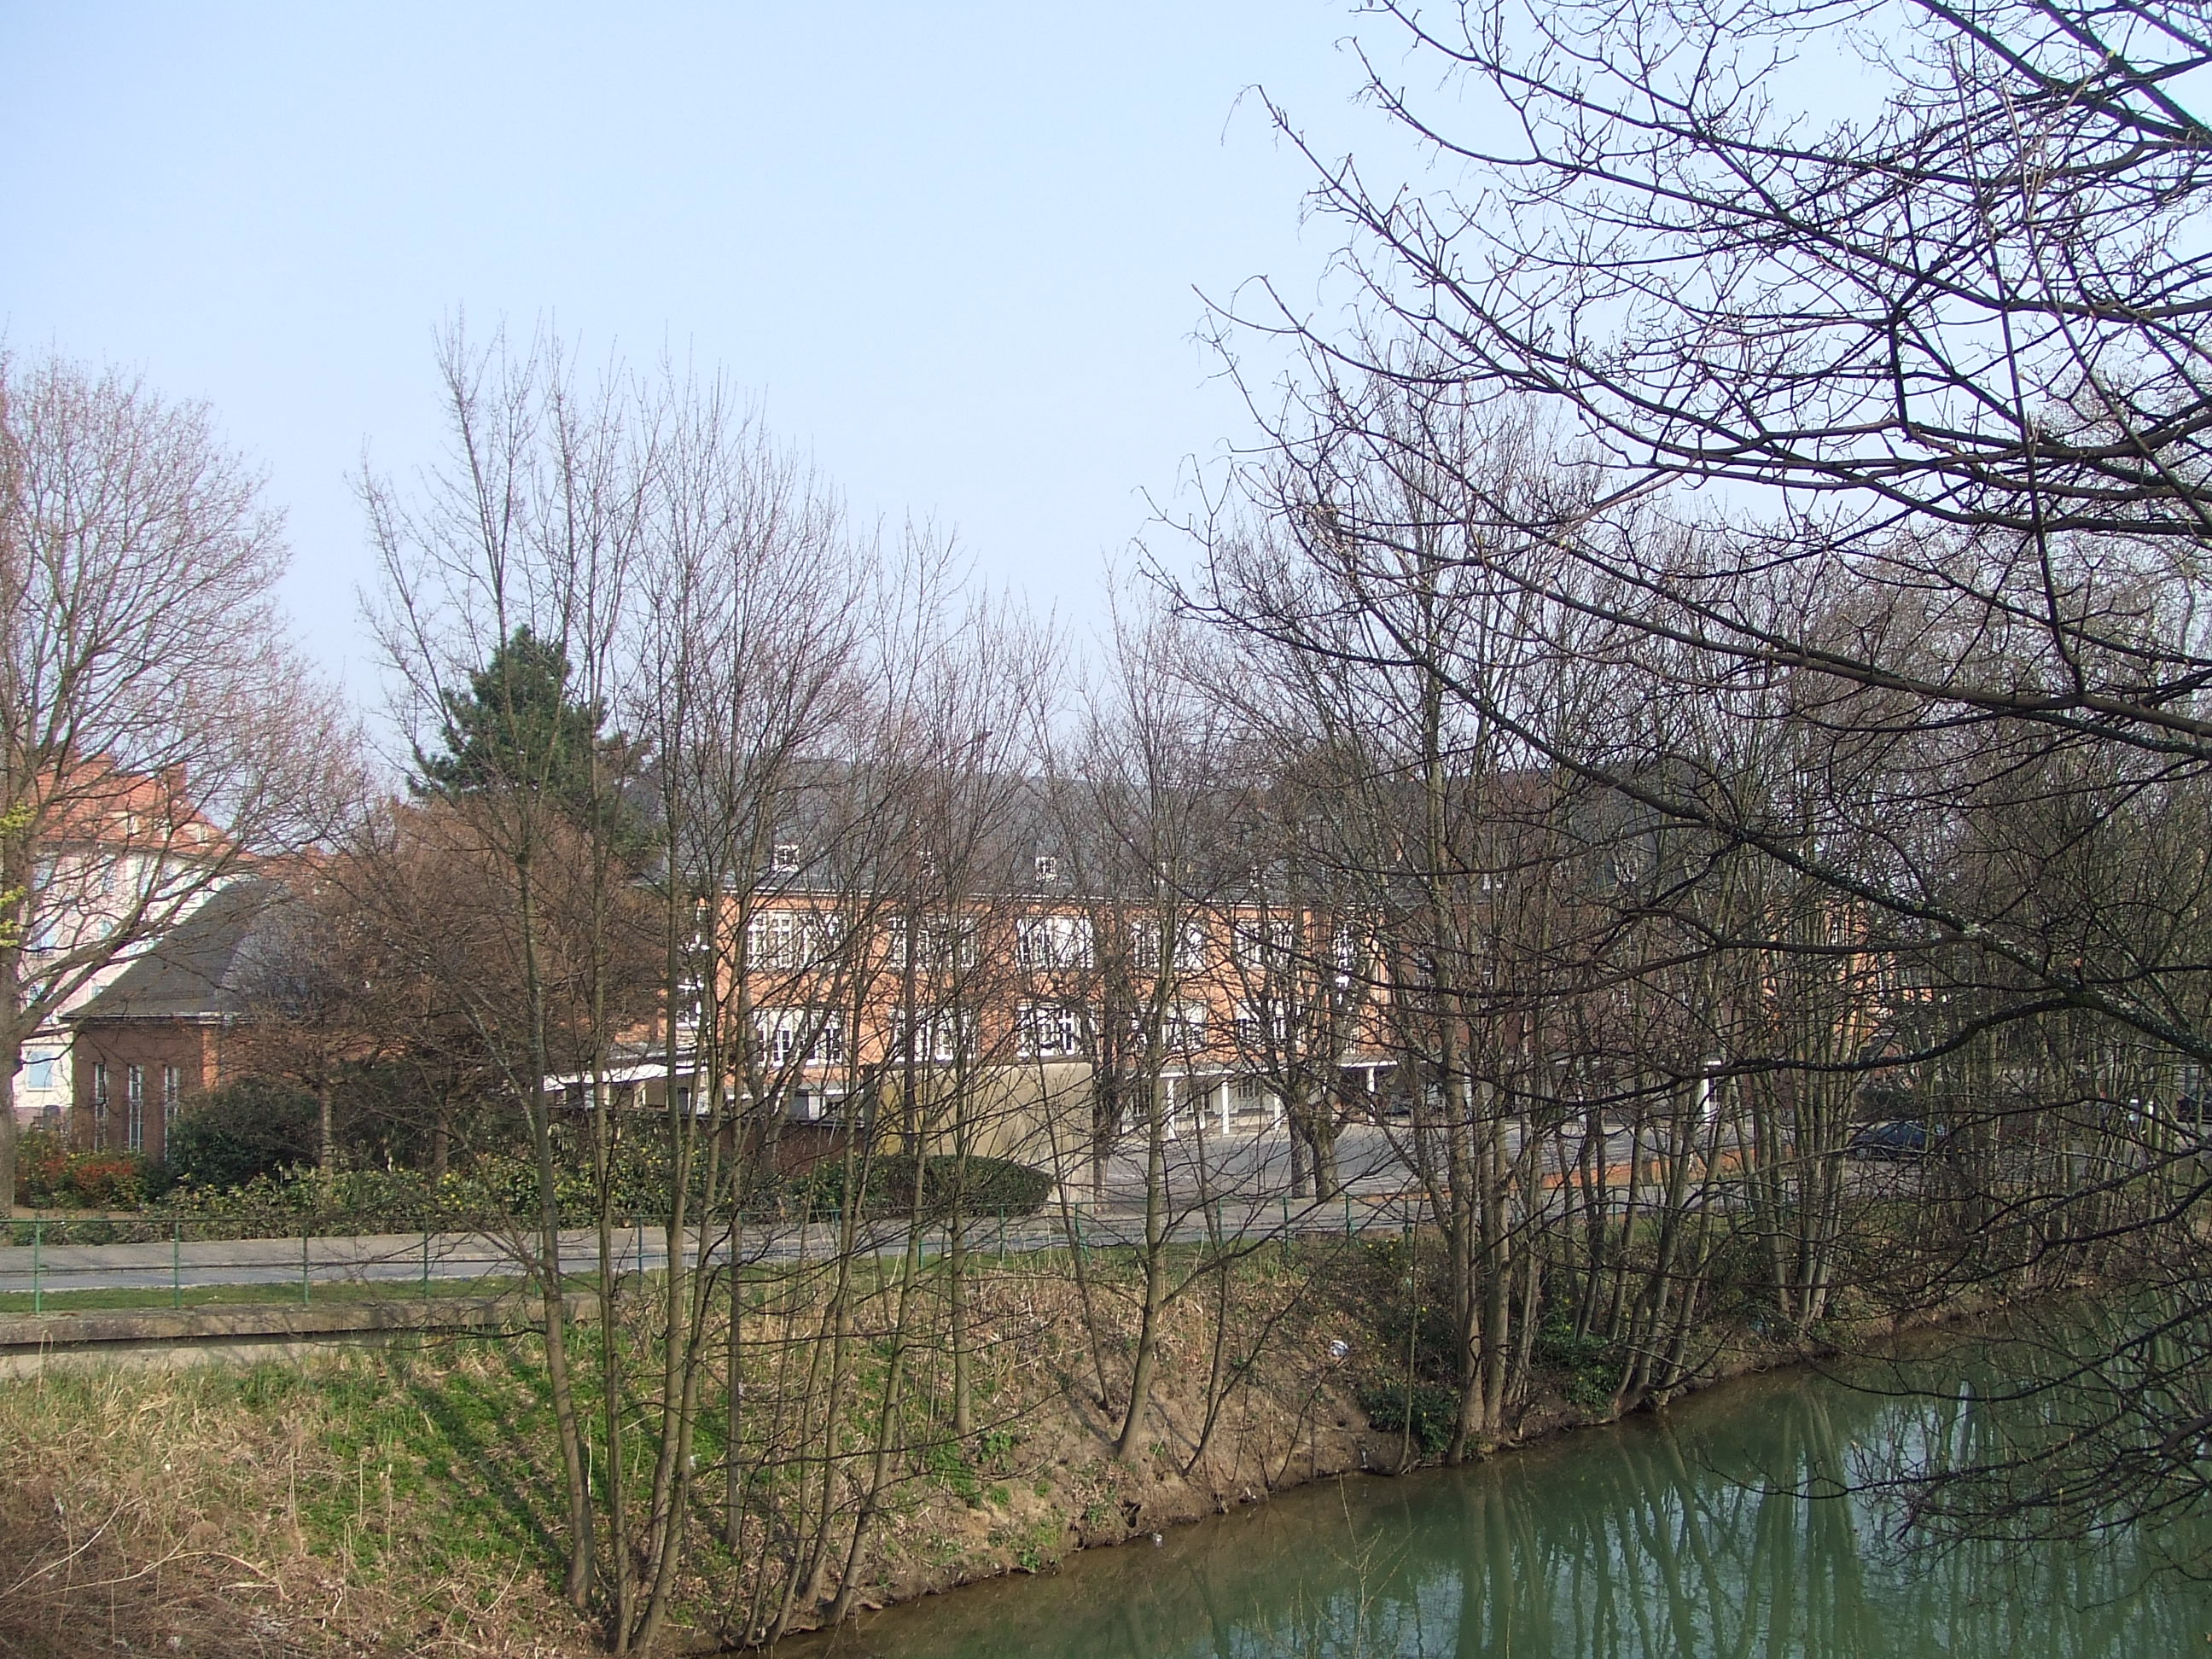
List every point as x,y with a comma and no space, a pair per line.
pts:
1685,1536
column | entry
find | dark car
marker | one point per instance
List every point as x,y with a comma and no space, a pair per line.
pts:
1901,1138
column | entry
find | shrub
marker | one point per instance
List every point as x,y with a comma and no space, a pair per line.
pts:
1588,1367
51,1176
1427,1412
41,1168
243,1131
985,1186
314,1201
107,1181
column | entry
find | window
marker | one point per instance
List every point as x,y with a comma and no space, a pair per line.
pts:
133,1103
800,1036
690,999
784,941
1263,1024
1248,1089
775,940
784,861
1190,947
173,1094
1048,867
39,1072
1183,1030
1047,1031
1345,950
939,943
944,1037
99,1104
1267,944
1049,942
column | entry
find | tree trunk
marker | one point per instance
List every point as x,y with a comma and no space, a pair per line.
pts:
576,1584
11,1061
11,1057
1140,1379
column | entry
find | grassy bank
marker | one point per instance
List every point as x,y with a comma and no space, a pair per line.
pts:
408,1500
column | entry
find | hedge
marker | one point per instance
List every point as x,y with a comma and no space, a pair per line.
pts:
498,1192
974,1185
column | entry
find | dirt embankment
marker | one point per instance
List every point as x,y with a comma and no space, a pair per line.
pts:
406,1500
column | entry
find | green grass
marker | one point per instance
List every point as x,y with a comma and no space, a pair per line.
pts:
154,1298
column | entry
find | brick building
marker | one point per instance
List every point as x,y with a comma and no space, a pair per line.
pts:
153,1040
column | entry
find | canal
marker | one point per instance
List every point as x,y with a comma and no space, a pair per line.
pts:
1677,1537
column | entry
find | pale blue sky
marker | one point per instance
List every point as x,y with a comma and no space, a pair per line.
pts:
954,246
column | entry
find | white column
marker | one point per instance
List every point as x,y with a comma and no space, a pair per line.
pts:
1170,1084
1224,1106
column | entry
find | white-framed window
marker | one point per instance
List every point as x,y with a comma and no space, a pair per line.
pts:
173,1095
1251,1090
1264,1024
689,998
1348,951
133,1103
776,941
945,1036
939,944
1190,946
800,1036
1184,1030
1042,942
1048,867
1048,1031
784,861
99,1104
1265,943
785,941
39,1071
1181,1029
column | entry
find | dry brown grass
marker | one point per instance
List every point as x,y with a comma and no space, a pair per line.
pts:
189,1512
395,1503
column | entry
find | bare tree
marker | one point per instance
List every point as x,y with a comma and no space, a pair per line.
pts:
158,732
506,579
1948,356
1879,498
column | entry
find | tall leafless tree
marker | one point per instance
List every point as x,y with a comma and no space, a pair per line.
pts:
158,731
1880,494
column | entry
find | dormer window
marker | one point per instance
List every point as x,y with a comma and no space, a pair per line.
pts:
1048,867
786,857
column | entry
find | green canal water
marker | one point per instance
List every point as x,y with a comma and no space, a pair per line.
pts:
1677,1537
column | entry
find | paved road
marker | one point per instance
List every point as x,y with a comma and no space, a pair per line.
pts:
1248,1177
1370,1159
418,1259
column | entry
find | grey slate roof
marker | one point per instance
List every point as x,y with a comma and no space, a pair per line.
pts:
196,970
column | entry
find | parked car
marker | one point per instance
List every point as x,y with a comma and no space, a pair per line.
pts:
1899,1137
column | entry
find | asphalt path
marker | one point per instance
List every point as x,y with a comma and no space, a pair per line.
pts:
1235,1186
422,1260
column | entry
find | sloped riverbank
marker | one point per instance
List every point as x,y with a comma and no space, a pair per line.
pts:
407,1499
